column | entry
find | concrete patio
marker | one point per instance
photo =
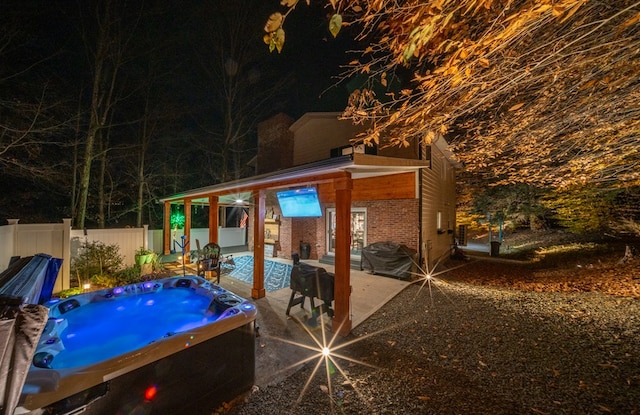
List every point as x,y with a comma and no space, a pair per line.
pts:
276,355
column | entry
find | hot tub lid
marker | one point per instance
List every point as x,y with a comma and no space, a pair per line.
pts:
30,280
24,286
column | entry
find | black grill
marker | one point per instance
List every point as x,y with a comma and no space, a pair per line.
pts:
313,282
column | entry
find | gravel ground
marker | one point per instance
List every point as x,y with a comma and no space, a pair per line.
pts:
470,349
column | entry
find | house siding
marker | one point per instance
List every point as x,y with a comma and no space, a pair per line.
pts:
401,208
317,133
438,191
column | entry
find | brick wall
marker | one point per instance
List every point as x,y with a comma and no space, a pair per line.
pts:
275,144
393,220
387,220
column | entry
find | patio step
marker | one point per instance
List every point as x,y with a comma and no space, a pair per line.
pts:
331,260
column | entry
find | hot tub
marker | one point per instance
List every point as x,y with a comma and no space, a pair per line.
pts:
175,345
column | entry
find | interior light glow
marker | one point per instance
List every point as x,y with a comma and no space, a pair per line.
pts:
326,351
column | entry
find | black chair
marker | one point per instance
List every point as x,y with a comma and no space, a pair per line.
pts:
209,260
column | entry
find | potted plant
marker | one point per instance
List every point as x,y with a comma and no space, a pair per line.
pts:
144,256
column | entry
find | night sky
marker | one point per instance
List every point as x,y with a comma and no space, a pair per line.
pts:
47,51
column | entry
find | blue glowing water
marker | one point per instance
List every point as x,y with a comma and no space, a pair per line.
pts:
104,329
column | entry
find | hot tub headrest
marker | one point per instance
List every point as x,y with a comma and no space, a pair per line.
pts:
68,305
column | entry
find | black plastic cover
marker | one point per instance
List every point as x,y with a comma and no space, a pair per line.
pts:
389,258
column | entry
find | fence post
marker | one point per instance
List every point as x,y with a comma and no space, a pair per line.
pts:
13,223
66,255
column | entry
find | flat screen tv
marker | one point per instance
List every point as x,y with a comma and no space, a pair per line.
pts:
299,203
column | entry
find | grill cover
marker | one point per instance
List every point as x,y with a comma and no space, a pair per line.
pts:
389,258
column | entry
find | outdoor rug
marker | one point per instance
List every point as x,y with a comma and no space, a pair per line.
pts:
276,274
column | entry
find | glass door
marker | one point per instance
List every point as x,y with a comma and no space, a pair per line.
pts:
358,231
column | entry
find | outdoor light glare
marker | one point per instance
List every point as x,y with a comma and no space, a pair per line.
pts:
86,286
326,351
239,201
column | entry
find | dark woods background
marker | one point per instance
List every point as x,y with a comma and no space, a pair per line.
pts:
108,105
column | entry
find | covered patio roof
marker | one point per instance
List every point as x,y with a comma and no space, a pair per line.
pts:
357,165
339,171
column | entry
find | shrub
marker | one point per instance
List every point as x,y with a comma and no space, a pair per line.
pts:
95,261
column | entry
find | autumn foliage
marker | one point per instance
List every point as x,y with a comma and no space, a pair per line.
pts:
534,91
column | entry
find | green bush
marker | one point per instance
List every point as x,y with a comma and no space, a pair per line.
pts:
95,262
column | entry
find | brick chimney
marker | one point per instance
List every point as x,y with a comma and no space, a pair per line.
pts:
275,144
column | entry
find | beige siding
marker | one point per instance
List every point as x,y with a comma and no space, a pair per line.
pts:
438,195
315,134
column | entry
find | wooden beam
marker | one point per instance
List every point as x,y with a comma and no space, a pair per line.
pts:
166,230
213,218
260,198
342,289
392,186
187,230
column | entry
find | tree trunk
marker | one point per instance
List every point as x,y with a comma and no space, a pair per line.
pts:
629,255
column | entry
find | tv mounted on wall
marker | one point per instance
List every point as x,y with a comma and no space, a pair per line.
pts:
299,203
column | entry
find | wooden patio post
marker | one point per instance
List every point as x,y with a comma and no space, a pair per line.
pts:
213,219
166,229
187,230
258,244
342,288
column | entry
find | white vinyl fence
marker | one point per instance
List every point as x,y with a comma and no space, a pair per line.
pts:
61,241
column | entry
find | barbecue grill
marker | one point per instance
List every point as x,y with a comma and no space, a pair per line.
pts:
313,282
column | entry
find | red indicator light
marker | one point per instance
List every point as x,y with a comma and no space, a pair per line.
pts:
150,393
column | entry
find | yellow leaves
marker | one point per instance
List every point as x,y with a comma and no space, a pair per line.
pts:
516,107
542,8
274,22
573,9
275,40
484,62
557,11
356,8
335,24
279,40
288,3
408,52
383,79
635,19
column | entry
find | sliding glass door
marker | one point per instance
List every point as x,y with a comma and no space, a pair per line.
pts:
358,231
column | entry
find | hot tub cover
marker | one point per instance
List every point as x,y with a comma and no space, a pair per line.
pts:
389,258
27,283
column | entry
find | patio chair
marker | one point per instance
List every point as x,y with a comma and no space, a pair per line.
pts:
209,260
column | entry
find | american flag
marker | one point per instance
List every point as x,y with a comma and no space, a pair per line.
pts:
245,218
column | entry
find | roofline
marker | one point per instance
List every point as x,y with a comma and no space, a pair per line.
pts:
312,172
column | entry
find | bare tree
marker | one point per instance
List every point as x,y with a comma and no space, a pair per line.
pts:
34,115
243,90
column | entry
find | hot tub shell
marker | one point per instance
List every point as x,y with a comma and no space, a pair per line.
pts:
193,371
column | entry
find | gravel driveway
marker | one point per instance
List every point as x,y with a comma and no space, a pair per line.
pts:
466,349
